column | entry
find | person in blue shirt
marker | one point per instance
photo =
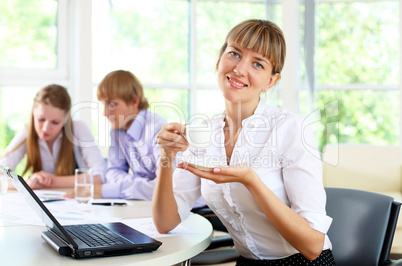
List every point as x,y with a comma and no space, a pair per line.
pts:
134,152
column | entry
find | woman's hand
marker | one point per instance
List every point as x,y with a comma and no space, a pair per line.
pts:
171,139
40,180
34,184
241,173
70,194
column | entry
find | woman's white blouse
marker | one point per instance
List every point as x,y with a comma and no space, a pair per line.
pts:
86,152
281,149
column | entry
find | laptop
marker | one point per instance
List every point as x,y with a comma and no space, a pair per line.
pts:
84,240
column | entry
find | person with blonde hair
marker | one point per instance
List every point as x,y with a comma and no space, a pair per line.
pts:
53,143
267,189
133,143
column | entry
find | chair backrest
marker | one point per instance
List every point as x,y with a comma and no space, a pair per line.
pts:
363,226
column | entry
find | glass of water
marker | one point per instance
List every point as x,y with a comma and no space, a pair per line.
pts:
84,185
3,184
3,189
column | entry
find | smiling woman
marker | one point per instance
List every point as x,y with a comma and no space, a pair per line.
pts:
286,197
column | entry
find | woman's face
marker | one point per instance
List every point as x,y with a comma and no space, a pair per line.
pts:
48,121
242,74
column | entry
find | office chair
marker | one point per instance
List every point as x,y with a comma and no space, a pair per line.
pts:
221,249
363,226
361,232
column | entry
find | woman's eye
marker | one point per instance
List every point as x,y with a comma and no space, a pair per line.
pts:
258,65
55,123
111,106
234,54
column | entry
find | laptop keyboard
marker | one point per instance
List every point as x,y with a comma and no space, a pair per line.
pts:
96,235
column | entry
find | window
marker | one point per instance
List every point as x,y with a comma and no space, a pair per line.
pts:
356,66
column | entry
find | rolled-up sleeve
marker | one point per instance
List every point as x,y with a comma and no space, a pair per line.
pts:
302,172
130,188
187,189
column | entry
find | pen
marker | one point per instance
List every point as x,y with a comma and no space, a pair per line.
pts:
110,203
50,200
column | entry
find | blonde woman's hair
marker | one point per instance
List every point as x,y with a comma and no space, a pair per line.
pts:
56,96
123,85
261,36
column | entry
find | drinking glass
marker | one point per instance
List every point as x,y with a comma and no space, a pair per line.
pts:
84,185
3,184
3,189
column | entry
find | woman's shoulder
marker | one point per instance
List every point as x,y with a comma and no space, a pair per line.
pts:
280,115
79,124
17,143
81,129
21,135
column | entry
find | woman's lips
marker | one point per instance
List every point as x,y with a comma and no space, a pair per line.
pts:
235,83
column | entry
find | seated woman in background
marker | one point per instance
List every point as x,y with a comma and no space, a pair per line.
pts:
55,145
268,189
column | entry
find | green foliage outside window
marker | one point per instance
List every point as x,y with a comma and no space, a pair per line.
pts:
357,116
358,45
28,34
6,134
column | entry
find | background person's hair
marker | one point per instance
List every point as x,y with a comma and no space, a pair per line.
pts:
123,85
58,97
261,36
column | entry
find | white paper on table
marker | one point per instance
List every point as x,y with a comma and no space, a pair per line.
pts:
50,195
146,226
66,212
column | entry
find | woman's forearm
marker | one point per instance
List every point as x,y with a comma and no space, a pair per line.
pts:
63,181
294,228
164,206
69,181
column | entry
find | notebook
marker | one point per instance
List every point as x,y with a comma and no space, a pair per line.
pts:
85,240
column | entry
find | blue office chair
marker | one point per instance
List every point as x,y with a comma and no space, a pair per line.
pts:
361,233
363,226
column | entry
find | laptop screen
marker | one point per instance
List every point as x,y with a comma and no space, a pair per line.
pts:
37,205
